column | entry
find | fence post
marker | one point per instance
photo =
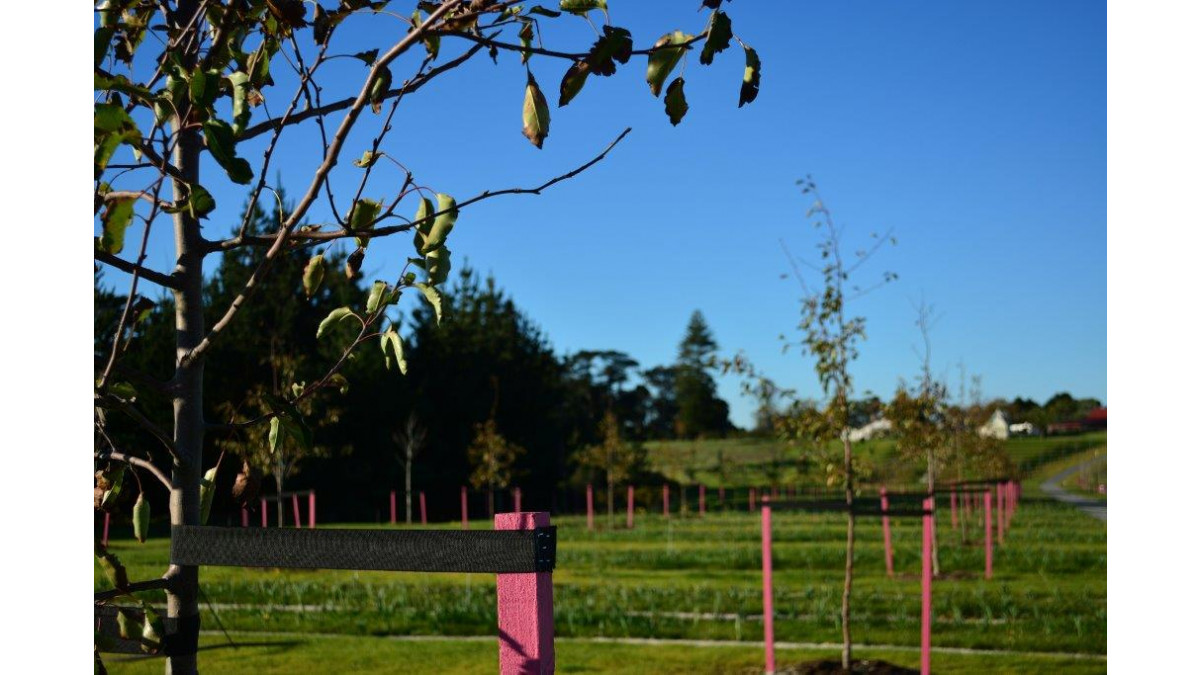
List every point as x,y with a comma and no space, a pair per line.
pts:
525,608
926,584
629,507
887,531
1000,514
392,505
312,510
517,499
987,534
701,500
264,511
296,509
422,493
590,520
463,505
104,539
666,500
768,601
953,508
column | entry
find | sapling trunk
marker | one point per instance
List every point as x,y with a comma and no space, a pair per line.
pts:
846,643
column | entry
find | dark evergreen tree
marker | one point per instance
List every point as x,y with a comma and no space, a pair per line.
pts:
701,411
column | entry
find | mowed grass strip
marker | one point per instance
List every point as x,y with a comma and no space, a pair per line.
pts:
263,654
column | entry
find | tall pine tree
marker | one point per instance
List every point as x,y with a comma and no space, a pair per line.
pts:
700,411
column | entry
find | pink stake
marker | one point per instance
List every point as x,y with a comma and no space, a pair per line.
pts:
768,594
422,499
264,511
752,500
463,500
1000,514
296,508
591,523
312,510
517,499
392,505
701,501
666,501
926,584
245,517
953,508
887,532
629,507
104,539
525,608
987,534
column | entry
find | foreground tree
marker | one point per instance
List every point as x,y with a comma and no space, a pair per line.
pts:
191,97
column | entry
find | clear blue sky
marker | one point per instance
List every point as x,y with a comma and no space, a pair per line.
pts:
975,131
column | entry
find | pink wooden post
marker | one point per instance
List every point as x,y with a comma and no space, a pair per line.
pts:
296,508
702,501
517,499
926,584
392,505
768,593
525,608
629,507
666,501
264,511
954,508
987,534
887,532
590,521
752,507
312,510
104,539
245,517
422,495
463,504
1000,515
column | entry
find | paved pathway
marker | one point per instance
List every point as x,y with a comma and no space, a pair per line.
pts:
1092,507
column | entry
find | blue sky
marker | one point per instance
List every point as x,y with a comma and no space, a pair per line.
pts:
975,132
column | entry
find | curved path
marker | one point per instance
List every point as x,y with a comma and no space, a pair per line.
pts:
1092,507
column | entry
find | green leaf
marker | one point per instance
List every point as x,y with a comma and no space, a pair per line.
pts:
368,159
203,87
116,480
615,45
113,569
239,85
100,43
125,624
432,42
208,487
677,105
199,203
422,223
437,264
259,65
572,82
368,57
122,84
113,126
750,78
442,224
314,274
152,631
375,295
273,435
363,214
117,216
664,58
379,89
334,316
141,518
581,7
536,114
218,136
392,338
124,390
434,297
720,30
526,37
354,261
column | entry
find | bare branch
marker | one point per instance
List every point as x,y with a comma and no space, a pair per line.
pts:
164,280
144,464
137,416
149,585
127,194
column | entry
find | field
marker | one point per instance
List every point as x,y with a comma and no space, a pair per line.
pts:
683,579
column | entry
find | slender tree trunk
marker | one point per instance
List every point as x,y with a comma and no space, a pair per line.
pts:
408,488
931,481
612,523
491,502
846,644
279,495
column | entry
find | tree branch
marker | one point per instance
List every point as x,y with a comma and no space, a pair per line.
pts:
149,585
164,280
137,416
139,462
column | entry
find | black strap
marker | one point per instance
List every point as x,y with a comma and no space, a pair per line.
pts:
487,551
861,507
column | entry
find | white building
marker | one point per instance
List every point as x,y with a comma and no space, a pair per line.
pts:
879,427
996,427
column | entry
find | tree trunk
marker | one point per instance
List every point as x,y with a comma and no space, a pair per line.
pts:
408,488
279,495
188,403
612,523
846,644
491,503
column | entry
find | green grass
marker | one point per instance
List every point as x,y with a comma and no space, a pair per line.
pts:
284,655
